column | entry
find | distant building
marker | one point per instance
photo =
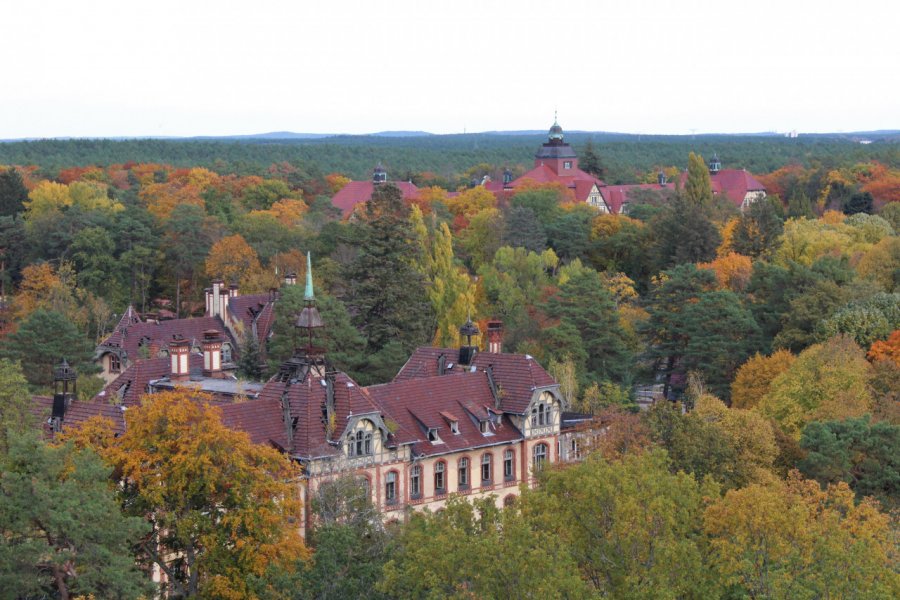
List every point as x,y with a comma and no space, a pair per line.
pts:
359,192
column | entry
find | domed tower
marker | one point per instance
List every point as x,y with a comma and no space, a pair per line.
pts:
379,175
715,165
556,153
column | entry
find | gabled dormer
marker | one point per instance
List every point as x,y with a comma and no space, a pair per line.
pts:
364,435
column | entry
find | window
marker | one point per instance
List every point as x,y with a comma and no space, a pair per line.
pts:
462,472
567,164
367,487
415,481
508,461
485,426
226,352
360,443
439,468
454,427
574,450
539,456
486,460
540,415
115,364
390,487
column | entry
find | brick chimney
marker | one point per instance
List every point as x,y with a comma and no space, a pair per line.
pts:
224,295
212,353
495,336
179,354
290,278
233,290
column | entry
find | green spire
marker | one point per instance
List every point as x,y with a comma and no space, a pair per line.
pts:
308,294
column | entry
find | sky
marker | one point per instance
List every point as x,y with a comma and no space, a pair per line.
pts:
198,67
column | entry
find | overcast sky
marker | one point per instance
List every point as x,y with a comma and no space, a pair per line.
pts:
192,67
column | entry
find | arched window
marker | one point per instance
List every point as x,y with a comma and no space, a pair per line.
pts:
540,415
415,481
360,443
439,480
367,445
486,474
390,487
539,456
462,472
509,459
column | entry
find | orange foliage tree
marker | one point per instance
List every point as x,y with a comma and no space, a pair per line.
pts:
732,271
888,349
225,508
162,198
336,182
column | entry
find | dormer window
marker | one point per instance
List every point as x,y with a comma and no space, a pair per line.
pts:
433,436
360,444
567,164
454,427
540,415
485,427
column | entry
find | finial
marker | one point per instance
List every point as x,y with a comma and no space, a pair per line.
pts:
308,293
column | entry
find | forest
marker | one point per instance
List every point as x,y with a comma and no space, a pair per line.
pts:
770,470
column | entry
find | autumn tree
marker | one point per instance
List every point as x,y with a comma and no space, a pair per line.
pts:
698,187
473,550
758,229
888,349
794,540
233,260
226,507
827,381
732,271
631,525
64,534
755,376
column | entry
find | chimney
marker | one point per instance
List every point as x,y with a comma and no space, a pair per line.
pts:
212,353
233,290
495,336
213,306
64,391
290,278
661,177
224,295
179,354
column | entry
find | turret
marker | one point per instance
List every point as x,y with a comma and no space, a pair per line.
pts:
714,164
379,175
65,380
468,350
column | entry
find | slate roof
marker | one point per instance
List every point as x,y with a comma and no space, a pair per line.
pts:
361,191
516,375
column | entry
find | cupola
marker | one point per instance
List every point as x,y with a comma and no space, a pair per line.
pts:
714,164
379,175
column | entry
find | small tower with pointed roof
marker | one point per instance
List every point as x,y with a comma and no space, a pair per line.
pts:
379,175
309,359
468,350
556,153
715,165
65,390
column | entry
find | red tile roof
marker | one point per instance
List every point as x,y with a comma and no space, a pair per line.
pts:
419,404
616,196
77,413
361,191
262,420
132,336
578,181
516,375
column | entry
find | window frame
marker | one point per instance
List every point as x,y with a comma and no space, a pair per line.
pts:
440,469
538,459
487,467
415,481
462,473
509,464
390,487
115,363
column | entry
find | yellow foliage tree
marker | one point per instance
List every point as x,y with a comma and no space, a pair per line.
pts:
47,197
471,201
162,198
754,377
793,540
881,263
827,382
289,211
727,235
232,259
